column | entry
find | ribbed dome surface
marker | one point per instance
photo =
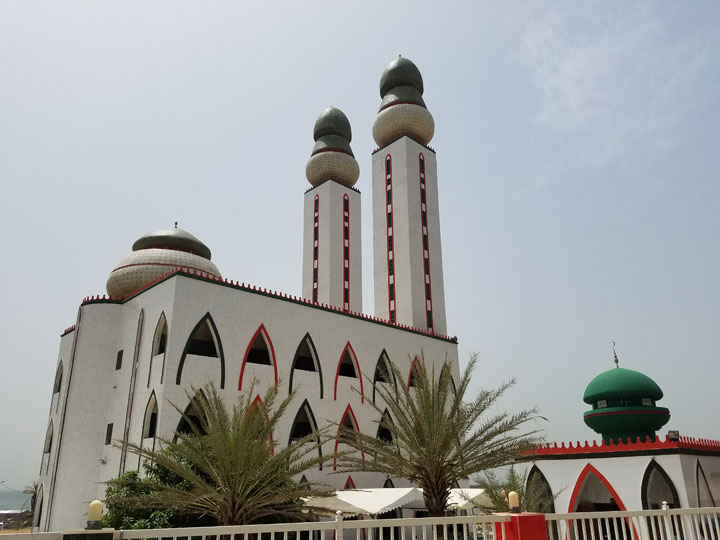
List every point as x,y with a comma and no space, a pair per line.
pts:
173,239
621,383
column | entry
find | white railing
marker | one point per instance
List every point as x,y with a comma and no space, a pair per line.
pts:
677,524
449,528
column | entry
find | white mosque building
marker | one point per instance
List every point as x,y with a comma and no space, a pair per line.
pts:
172,321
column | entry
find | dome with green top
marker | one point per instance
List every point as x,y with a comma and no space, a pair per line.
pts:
623,406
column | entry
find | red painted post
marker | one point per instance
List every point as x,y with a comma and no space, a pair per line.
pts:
525,526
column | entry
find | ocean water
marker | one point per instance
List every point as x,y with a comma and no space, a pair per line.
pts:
10,500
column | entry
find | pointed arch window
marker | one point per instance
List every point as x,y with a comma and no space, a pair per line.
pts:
446,367
384,431
348,366
37,511
260,351
306,359
161,336
48,438
539,493
593,492
58,378
704,494
204,341
303,425
151,418
412,375
348,428
349,483
383,373
192,419
388,483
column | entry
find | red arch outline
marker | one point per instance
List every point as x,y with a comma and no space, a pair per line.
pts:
354,421
350,483
261,330
415,363
357,367
587,470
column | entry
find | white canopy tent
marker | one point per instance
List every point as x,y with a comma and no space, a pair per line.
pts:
466,498
371,501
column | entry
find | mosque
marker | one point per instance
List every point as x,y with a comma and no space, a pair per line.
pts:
171,321
632,468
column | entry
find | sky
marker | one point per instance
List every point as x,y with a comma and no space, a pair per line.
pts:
577,147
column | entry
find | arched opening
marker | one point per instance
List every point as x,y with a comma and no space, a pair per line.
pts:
388,484
412,375
658,488
704,494
58,378
348,428
47,446
192,419
303,425
306,359
204,341
161,336
538,493
260,352
349,367
349,483
383,373
38,510
446,368
593,493
151,418
384,431
304,481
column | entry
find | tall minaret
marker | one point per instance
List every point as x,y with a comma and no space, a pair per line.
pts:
406,221
332,258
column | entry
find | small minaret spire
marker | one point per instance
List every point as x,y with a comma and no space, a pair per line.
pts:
176,224
615,357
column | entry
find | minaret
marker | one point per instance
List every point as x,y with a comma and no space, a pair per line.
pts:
332,258
406,221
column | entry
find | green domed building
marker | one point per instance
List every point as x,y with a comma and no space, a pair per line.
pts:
624,406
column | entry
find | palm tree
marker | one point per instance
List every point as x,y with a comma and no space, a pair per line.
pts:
533,495
32,490
433,437
231,470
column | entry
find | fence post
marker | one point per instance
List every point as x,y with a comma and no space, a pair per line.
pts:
525,526
338,525
667,522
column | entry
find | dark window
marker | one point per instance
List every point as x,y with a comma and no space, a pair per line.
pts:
347,367
304,361
315,295
58,379
315,252
424,219
202,342
389,219
429,318
317,203
346,233
422,166
388,168
346,295
390,243
384,434
118,359
389,196
422,196
346,274
390,267
346,252
425,242
315,274
427,291
108,434
258,353
392,292
315,233
392,316
152,428
427,266
346,204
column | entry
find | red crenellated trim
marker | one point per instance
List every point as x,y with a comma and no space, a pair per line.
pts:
349,348
210,278
685,443
261,331
68,330
353,419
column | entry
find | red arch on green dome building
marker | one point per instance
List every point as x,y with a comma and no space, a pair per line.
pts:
587,471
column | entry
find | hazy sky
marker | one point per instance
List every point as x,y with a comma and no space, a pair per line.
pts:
578,152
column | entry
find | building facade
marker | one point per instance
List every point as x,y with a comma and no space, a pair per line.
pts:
171,322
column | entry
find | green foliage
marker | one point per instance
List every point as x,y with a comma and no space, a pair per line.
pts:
534,496
438,438
227,469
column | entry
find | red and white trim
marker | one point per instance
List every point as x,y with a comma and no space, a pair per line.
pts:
426,244
260,332
316,247
346,253
392,298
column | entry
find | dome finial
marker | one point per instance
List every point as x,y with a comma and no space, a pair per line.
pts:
617,362
176,224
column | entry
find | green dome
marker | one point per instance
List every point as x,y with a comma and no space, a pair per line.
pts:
621,383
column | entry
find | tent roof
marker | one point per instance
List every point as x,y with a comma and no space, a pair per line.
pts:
464,498
368,501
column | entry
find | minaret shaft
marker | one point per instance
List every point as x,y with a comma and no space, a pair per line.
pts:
408,270
332,251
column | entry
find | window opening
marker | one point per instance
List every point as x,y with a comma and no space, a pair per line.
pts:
151,417
161,336
48,439
384,433
108,434
204,341
347,366
191,420
118,360
261,352
58,378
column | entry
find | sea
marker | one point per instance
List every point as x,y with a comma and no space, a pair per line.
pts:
10,500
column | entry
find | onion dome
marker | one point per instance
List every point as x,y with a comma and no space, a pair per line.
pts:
402,109
156,254
332,157
623,406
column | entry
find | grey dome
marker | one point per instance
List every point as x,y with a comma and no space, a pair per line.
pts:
402,94
400,72
173,239
332,142
332,121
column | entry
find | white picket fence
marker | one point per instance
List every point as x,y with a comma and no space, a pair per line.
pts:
679,524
